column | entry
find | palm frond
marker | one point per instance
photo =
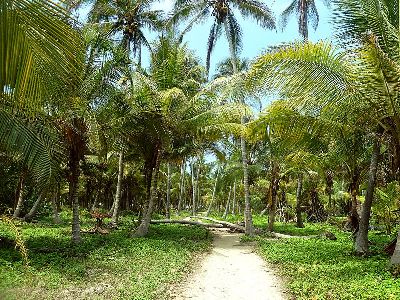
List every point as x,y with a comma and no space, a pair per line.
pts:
37,42
256,10
307,70
37,148
289,11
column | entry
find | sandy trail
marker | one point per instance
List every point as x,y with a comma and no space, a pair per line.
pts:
232,271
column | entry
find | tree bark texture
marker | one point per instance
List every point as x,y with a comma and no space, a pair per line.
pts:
299,219
114,219
143,228
361,242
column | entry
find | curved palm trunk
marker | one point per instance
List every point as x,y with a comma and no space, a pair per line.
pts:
114,219
227,204
248,219
32,213
168,204
20,195
361,242
299,219
143,228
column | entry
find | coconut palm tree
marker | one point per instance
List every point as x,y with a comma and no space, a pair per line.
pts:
166,112
40,55
306,12
350,83
223,15
127,21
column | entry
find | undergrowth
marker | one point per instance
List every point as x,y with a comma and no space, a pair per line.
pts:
112,266
318,268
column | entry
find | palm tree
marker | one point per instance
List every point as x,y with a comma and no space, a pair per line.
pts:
40,55
223,16
368,75
222,12
127,20
166,112
306,12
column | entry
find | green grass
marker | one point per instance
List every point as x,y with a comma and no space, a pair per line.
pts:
324,269
113,266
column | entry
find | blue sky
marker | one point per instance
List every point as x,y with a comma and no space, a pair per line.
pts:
255,39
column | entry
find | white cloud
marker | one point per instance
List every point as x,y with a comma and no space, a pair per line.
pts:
165,5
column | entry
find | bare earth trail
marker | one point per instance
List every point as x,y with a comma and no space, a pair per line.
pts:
231,271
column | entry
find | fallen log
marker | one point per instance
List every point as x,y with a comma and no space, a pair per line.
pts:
186,222
225,224
327,235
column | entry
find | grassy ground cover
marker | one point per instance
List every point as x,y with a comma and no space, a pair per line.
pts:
113,266
324,269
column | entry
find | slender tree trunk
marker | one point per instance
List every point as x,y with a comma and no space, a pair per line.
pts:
114,219
194,192
213,194
73,198
168,202
303,22
54,200
198,198
20,197
361,242
31,214
248,219
181,187
143,228
234,198
227,204
395,259
95,201
299,219
274,192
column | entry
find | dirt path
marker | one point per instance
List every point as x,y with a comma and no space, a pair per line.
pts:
232,271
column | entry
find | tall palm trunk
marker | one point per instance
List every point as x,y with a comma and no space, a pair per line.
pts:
198,198
114,219
168,202
54,201
234,198
181,187
273,194
395,259
361,242
248,219
143,228
213,194
227,203
32,213
73,197
194,192
19,196
299,219
303,22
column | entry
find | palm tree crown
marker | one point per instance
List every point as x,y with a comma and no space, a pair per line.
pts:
306,12
222,12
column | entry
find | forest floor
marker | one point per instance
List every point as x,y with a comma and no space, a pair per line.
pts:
231,271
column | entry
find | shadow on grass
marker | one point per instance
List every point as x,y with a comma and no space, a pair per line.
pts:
51,250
